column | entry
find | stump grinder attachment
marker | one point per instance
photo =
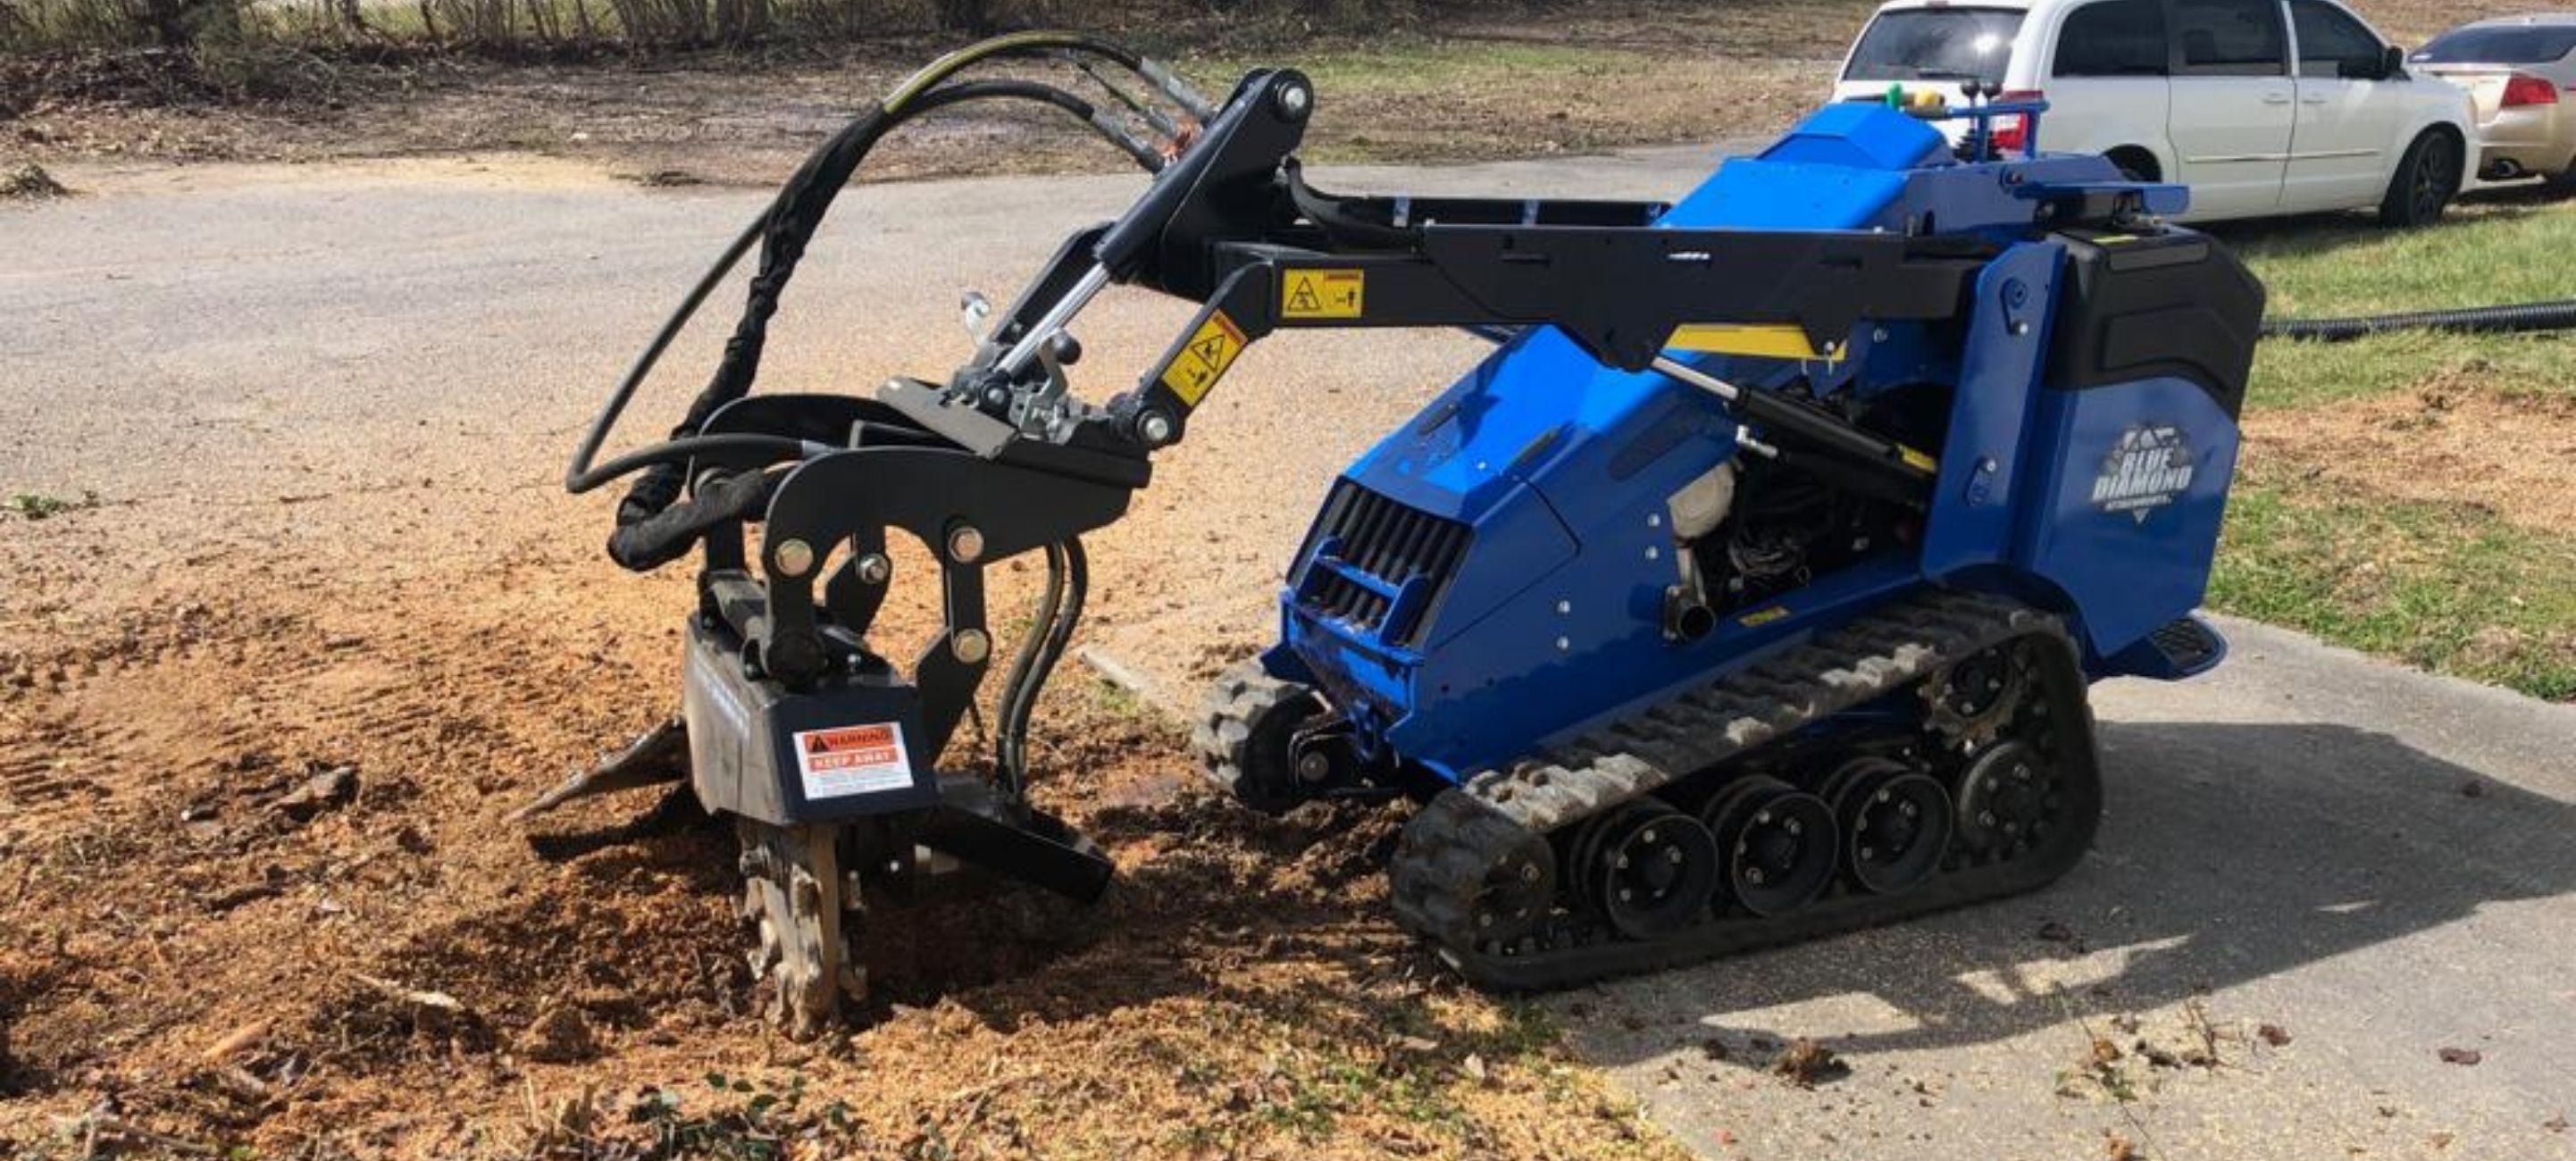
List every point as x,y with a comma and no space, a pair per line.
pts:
1748,591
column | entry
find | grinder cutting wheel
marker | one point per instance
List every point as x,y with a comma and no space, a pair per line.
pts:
1746,592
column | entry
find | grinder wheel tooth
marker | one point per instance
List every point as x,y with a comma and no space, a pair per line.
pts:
803,932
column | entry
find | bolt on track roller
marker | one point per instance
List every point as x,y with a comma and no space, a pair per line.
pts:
1747,591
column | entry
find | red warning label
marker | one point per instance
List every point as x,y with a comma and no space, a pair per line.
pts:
847,760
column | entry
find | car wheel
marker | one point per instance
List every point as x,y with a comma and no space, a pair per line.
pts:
2427,178
2562,183
2135,164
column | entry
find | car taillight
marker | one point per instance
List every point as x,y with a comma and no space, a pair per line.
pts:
2525,89
2013,132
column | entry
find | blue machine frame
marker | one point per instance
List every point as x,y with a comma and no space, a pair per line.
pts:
2102,504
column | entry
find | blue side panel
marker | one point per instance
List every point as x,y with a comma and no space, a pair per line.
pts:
1843,168
2125,519
1971,522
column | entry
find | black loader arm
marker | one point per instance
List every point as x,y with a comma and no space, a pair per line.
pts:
1235,226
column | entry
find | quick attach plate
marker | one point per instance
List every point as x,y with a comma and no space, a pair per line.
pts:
1000,442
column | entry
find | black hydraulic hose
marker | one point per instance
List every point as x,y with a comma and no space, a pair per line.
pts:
1159,121
2490,320
1328,215
785,227
1006,754
917,95
642,540
769,449
1060,611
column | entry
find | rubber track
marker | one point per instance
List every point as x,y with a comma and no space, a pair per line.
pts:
1446,848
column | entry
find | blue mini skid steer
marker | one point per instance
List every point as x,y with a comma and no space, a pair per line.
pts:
1748,591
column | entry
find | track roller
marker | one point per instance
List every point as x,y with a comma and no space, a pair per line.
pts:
1896,822
1647,867
2003,798
1777,843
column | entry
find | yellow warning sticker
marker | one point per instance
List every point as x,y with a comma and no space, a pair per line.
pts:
1762,617
1204,358
1323,294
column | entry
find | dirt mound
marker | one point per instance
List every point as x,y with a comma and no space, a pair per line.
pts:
2465,434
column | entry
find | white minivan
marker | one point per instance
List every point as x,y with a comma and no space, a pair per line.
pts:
2260,106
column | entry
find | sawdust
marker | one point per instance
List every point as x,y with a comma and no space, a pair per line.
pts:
2463,435
259,895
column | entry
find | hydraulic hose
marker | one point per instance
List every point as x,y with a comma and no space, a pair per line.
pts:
643,539
1068,586
791,219
2490,320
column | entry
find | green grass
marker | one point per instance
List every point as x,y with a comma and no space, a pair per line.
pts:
2308,374
2512,250
2484,254
2454,588
32,506
2446,587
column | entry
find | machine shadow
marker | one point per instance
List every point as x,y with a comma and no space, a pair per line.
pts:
1228,904
2228,853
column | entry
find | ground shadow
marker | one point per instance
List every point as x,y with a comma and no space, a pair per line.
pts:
2228,853
1224,885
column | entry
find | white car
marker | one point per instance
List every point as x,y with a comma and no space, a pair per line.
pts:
2262,107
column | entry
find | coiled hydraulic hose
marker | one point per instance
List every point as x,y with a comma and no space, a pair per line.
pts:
654,526
2491,320
644,540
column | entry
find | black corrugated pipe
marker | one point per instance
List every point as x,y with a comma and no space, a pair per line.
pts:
2490,320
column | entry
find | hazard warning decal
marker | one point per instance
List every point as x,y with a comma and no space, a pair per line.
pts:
847,760
1204,358
1323,294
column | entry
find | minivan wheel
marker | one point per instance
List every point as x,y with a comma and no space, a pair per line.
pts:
2135,164
2427,178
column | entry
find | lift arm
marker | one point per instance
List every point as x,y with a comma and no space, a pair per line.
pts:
1234,226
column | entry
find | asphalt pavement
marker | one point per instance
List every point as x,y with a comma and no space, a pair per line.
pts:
2373,863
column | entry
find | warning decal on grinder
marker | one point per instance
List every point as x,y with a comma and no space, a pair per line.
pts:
847,760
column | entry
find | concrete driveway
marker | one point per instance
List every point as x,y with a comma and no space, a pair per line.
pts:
2373,863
